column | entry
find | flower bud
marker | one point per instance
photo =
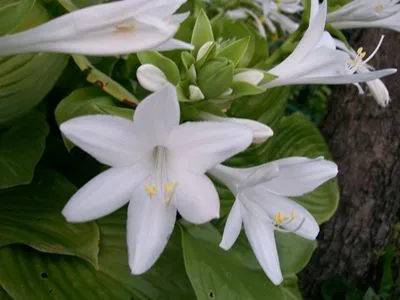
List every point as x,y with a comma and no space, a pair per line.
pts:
261,132
379,91
151,78
253,77
204,50
195,93
215,77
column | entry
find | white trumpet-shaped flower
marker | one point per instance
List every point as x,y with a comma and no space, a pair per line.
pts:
115,28
261,132
157,166
262,204
376,87
367,14
316,60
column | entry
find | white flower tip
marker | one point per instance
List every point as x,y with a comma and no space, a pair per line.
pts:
151,78
195,93
71,217
276,278
253,77
224,245
203,50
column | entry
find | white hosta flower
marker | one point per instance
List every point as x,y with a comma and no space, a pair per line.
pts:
261,132
316,60
262,204
204,49
376,87
151,78
157,166
253,77
367,13
115,28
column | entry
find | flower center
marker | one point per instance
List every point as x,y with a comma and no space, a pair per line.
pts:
280,220
160,184
358,59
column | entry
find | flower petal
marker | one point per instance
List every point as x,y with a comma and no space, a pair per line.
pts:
265,206
300,175
232,227
173,44
111,140
157,115
199,146
104,194
196,198
150,223
262,241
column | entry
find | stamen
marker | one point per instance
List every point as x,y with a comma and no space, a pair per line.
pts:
151,190
281,220
169,189
125,27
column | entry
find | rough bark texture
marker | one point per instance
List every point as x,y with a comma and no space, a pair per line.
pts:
365,142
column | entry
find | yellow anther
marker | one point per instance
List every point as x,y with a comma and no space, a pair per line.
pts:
280,218
293,215
274,37
169,189
361,52
379,8
125,27
150,190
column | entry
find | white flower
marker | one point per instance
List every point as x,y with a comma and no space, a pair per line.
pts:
367,13
195,93
115,28
157,166
261,132
151,78
376,87
317,61
262,205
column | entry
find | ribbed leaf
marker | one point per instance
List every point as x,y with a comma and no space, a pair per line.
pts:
297,136
217,274
28,274
11,12
31,215
22,146
26,79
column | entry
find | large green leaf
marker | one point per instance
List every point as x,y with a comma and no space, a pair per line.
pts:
218,274
26,79
22,146
28,274
297,136
31,215
11,12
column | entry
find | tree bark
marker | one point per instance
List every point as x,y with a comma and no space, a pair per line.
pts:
364,139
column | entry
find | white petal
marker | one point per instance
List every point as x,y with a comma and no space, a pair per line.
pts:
299,178
195,93
262,241
104,194
196,198
111,140
232,227
173,44
199,146
157,115
150,223
265,205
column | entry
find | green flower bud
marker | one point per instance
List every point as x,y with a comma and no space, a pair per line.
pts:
215,77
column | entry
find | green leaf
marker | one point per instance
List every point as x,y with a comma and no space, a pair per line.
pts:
22,146
267,108
297,136
31,215
72,5
187,60
165,64
65,278
11,13
235,51
88,101
4,295
202,31
26,79
290,288
218,274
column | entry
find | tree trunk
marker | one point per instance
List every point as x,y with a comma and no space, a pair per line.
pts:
364,140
